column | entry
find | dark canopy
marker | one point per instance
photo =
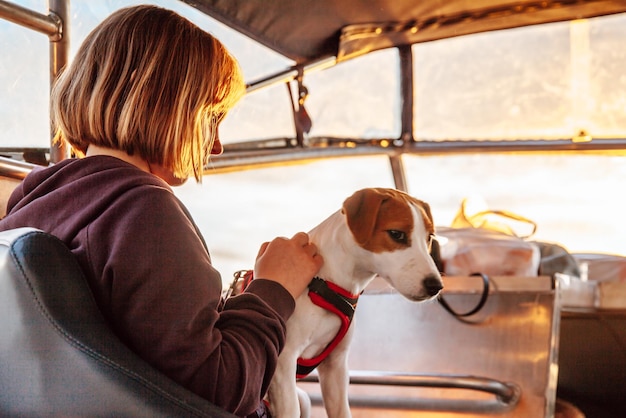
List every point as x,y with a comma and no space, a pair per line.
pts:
309,30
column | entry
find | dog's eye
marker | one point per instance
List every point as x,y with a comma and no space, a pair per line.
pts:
398,236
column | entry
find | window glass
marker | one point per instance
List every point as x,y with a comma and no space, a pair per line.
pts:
260,115
24,69
575,200
607,89
24,84
358,98
237,212
548,81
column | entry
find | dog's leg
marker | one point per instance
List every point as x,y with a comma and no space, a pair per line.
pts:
283,393
305,403
335,379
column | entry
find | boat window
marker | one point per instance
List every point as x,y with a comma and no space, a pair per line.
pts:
264,114
574,199
355,99
24,69
548,82
238,211
24,85
359,98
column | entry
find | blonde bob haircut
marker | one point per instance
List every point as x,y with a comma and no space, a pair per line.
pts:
148,82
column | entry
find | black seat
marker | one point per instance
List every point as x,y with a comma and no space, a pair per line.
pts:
57,355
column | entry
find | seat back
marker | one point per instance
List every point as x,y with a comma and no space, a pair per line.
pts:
58,357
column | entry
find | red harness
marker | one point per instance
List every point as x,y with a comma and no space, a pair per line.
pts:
324,294
339,301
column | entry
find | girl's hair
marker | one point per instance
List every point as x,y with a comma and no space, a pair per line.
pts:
149,82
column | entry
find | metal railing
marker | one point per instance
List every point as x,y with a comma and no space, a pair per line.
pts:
507,395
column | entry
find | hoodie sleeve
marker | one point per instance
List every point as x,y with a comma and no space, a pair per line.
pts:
159,290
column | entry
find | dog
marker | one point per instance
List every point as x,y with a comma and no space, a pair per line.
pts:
378,232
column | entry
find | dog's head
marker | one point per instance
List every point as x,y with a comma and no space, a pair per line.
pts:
396,230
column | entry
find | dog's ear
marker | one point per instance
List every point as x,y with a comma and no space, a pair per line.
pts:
426,208
361,210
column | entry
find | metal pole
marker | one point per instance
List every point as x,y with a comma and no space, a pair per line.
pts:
507,394
406,89
397,169
59,52
14,169
406,135
290,74
48,25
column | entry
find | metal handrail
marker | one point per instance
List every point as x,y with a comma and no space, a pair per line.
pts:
14,169
507,394
50,25
246,155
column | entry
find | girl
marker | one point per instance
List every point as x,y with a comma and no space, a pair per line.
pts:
140,105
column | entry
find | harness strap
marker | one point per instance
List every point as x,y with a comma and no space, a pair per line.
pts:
337,300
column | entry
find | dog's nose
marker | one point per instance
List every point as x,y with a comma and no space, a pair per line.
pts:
432,284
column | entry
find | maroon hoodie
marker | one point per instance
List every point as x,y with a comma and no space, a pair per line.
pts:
152,278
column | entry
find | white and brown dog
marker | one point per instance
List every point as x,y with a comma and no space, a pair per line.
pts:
378,232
